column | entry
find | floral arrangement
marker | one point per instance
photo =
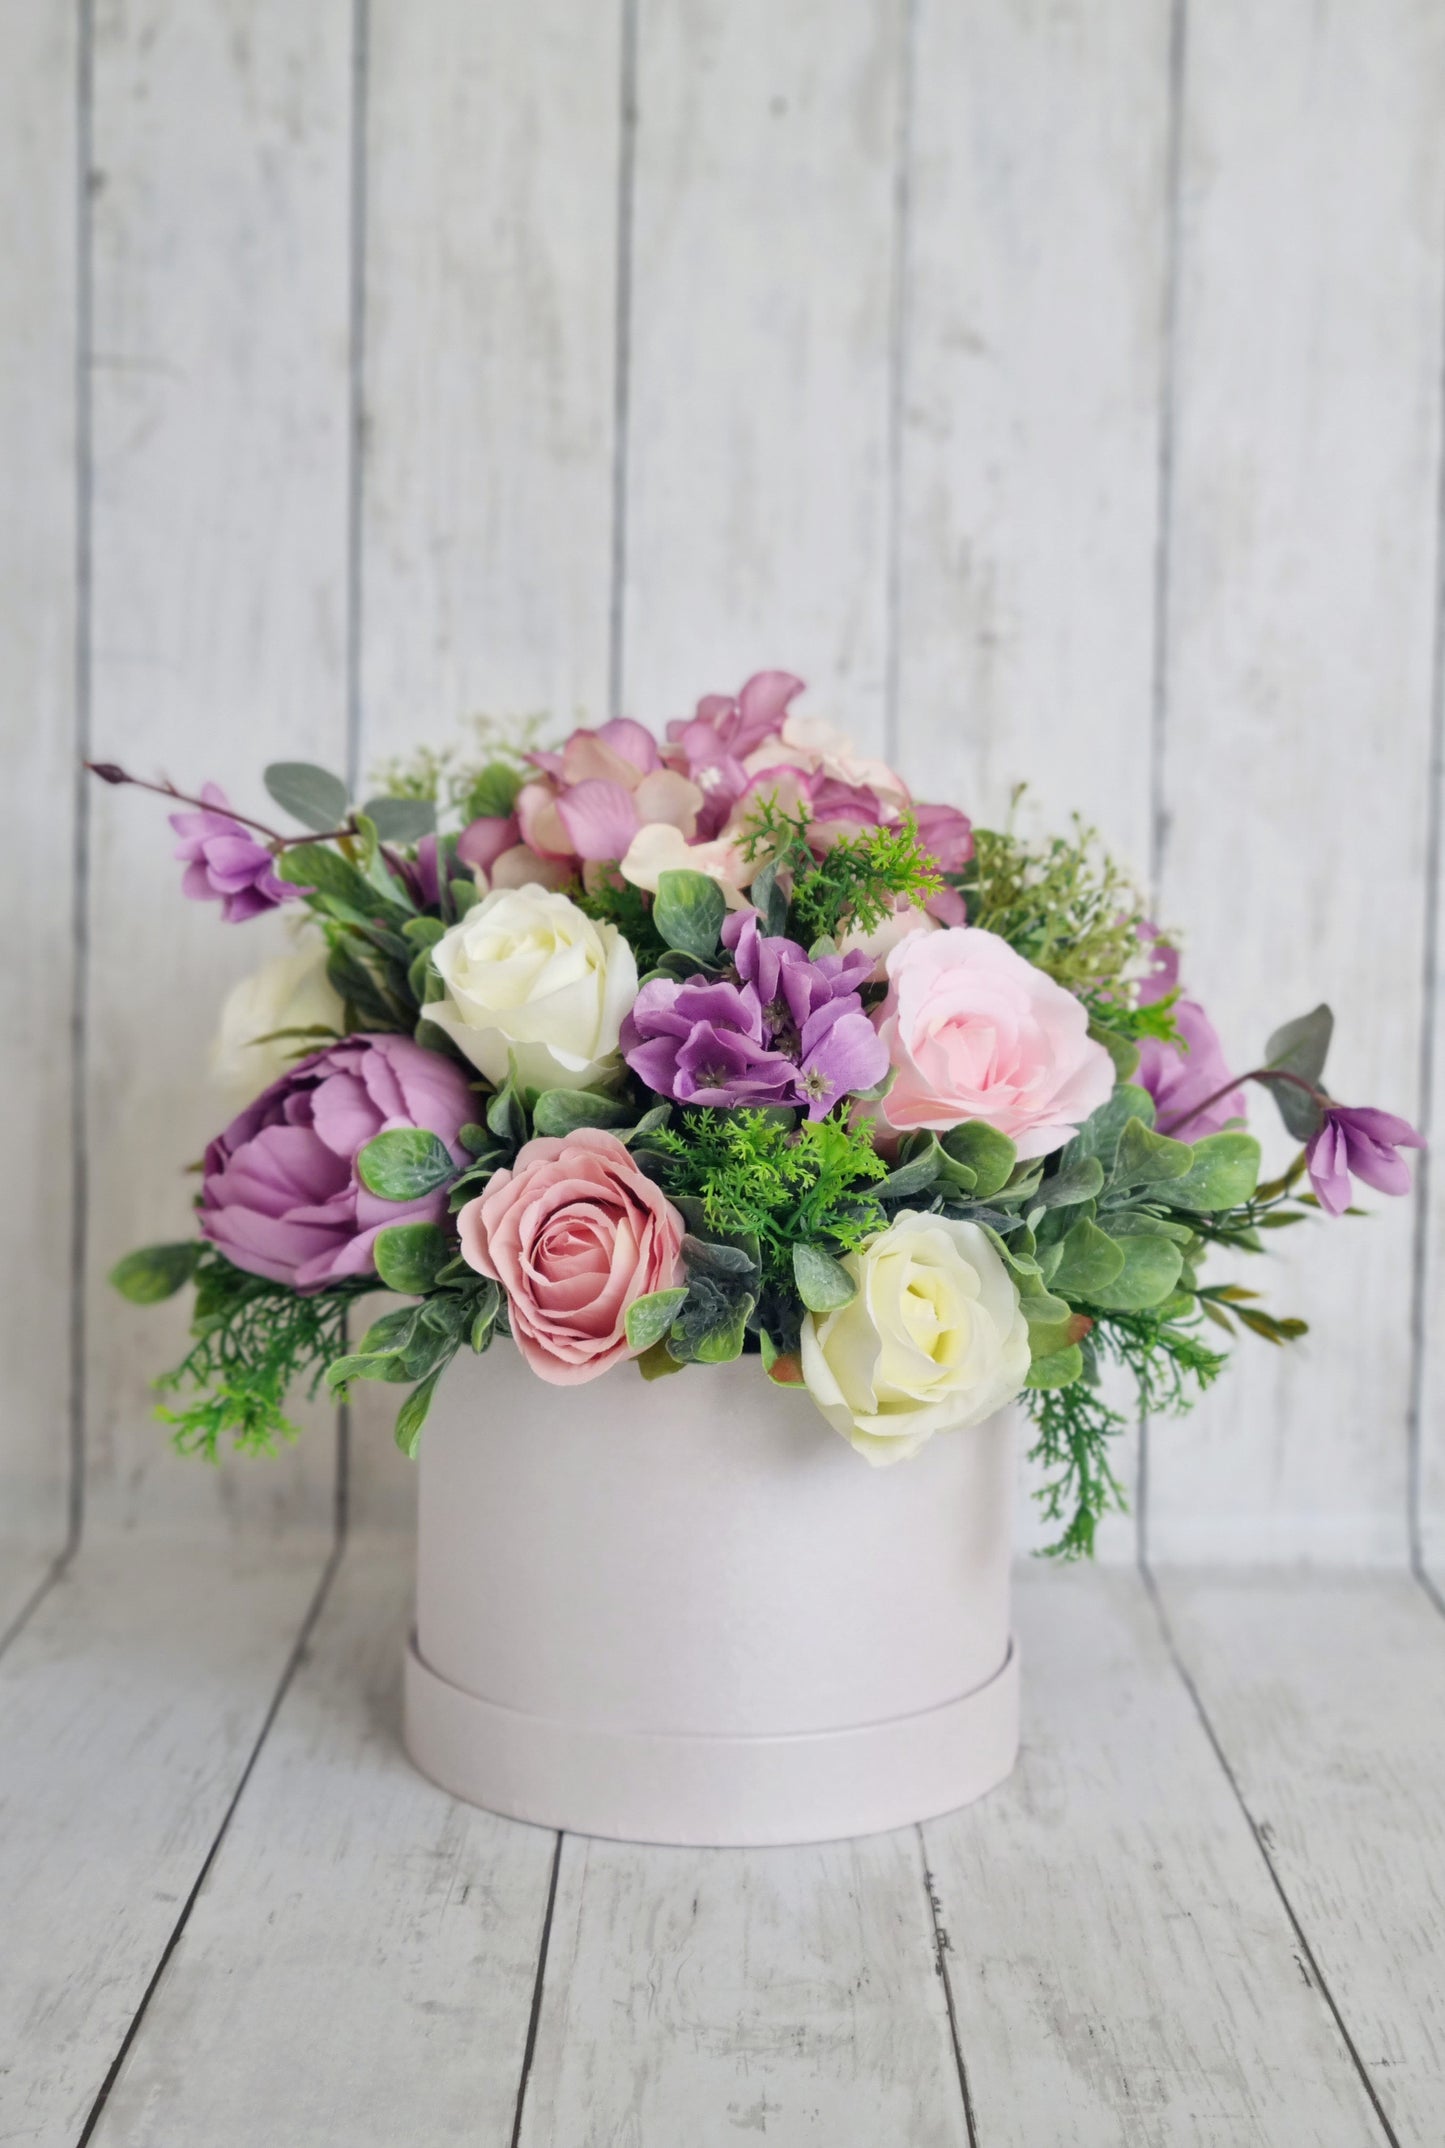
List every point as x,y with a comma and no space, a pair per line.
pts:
675,1053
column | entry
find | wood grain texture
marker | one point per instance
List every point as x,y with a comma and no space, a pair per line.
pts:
493,139
130,1703
220,419
1032,362
763,256
1427,1486
39,283
24,1568
1328,1697
706,1996
1297,713
1121,1968
361,1961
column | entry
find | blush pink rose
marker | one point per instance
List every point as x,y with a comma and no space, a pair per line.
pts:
573,1233
976,1032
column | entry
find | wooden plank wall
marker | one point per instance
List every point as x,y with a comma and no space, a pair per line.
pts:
1058,389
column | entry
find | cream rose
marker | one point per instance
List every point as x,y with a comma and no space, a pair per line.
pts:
933,1341
291,992
529,976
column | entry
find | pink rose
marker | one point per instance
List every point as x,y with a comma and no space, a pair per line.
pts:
574,1233
976,1032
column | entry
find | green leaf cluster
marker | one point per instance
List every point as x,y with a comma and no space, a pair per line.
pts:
852,886
252,1342
1063,904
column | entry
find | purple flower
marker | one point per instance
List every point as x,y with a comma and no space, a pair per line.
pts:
280,1195
1186,1083
703,1042
1363,1141
225,863
791,1031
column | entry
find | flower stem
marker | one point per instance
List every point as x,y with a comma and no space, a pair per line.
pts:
1259,1074
109,772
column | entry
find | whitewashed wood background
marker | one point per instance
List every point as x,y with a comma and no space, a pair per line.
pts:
1056,384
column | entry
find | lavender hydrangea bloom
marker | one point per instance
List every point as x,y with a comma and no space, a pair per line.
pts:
1366,1142
225,863
790,1031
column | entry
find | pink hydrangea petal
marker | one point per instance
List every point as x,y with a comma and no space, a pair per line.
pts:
600,819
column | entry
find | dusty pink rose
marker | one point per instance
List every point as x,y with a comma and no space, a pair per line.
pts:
573,1233
976,1032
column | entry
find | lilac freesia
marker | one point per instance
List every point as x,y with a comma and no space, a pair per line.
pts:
1366,1142
790,1031
280,1195
225,863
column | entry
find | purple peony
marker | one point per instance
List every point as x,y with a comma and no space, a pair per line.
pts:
790,1031
1363,1141
1186,1079
281,1197
225,863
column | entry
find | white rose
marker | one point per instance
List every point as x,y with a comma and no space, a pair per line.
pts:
293,992
933,1341
527,974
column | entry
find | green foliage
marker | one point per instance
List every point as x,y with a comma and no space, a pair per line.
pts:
470,778
755,1175
853,886
824,1285
1170,1367
689,912
156,1272
405,1164
401,820
1063,904
252,1342
311,795
614,901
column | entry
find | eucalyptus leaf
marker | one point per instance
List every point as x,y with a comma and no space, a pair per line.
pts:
408,1256
423,931
688,912
562,1111
1099,1135
1060,1368
1089,1261
649,1318
154,1273
485,1307
1077,1182
1144,1158
725,1263
401,820
906,1179
1223,1173
309,794
824,1284
986,1152
506,1116
1302,1046
1149,1273
404,1164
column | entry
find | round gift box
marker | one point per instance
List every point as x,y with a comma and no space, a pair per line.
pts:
688,1612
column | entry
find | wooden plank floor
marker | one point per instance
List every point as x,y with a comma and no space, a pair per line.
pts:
1206,1910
